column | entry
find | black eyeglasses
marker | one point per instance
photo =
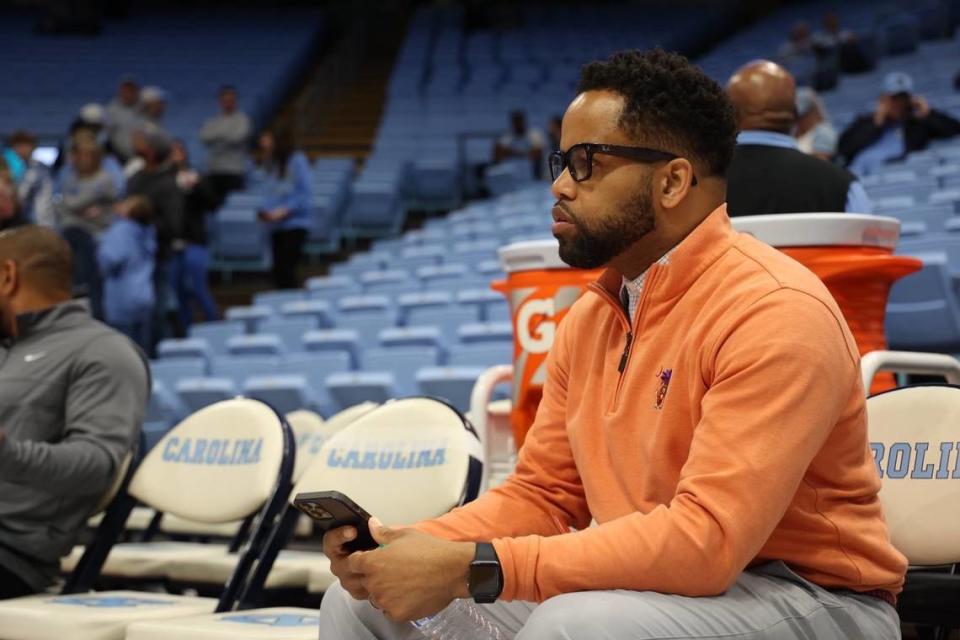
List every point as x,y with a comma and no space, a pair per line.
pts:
578,159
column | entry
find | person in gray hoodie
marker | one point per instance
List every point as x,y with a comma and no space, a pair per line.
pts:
226,138
73,394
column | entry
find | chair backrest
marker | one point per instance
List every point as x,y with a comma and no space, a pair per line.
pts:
913,438
256,345
169,372
218,332
307,429
320,310
405,461
175,348
290,329
402,362
220,464
239,368
924,312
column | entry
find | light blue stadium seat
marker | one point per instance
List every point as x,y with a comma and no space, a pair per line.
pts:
486,333
436,181
217,333
332,288
184,348
197,393
356,387
290,330
423,336
374,211
508,176
315,366
483,300
949,197
429,299
475,251
428,255
923,312
320,312
240,240
256,345
345,341
284,392
169,372
448,320
477,230
367,315
276,299
403,363
453,384
387,281
239,368
164,410
496,311
480,355
250,316
445,274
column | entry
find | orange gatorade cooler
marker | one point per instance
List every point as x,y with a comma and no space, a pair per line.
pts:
853,254
541,289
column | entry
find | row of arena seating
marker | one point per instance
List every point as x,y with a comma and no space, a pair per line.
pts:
187,53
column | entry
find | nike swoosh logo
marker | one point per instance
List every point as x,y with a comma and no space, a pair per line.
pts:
31,357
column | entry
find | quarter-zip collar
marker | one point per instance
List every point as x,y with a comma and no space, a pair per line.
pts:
688,260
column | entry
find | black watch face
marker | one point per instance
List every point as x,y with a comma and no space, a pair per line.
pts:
484,579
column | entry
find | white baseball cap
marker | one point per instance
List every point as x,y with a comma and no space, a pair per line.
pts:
93,113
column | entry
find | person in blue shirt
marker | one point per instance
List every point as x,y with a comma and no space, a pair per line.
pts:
127,258
286,203
902,122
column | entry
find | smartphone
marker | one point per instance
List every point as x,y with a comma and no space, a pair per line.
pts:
332,509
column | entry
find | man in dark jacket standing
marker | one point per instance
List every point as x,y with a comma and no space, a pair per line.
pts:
73,393
902,122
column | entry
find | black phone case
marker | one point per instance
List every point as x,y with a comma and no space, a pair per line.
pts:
332,509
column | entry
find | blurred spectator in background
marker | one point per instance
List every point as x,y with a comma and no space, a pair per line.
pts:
35,189
126,257
91,120
158,182
521,142
799,43
153,105
848,48
226,138
553,132
86,200
9,206
769,174
901,123
87,195
123,116
190,267
814,132
286,203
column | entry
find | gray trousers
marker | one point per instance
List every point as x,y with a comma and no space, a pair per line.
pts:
768,602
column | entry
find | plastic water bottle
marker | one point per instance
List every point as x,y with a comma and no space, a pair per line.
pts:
461,620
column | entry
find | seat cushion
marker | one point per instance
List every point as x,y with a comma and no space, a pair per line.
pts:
282,623
93,616
291,569
145,560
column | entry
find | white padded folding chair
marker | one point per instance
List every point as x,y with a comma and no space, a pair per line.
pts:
914,435
223,463
149,560
193,570
406,461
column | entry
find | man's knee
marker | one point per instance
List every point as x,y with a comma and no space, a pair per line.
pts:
338,610
596,615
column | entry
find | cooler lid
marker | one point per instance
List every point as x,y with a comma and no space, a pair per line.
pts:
532,255
822,229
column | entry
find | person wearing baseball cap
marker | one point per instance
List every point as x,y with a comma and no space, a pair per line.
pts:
902,122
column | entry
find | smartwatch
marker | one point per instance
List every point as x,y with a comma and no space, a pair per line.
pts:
485,580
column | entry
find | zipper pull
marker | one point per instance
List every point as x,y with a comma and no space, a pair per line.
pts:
626,353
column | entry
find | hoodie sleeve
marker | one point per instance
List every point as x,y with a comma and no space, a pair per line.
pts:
114,250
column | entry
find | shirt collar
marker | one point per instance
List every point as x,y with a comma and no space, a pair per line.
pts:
767,139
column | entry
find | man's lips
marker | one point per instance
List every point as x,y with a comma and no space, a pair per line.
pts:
559,215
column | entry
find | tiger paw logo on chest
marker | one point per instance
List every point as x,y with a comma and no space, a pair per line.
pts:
664,378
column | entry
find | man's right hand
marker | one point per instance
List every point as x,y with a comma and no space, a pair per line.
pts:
333,542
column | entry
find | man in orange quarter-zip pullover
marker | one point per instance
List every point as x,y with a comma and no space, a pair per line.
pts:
703,406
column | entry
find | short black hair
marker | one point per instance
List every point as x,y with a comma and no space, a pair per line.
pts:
226,88
669,103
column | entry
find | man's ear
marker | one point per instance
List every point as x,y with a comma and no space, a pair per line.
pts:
678,178
9,278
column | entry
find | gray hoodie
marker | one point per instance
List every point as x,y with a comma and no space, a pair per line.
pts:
73,393
226,137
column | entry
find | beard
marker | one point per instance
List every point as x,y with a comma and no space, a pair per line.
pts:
596,246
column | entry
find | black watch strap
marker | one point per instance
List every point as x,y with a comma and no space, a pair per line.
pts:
486,575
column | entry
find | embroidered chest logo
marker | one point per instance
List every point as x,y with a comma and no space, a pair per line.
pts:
664,377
